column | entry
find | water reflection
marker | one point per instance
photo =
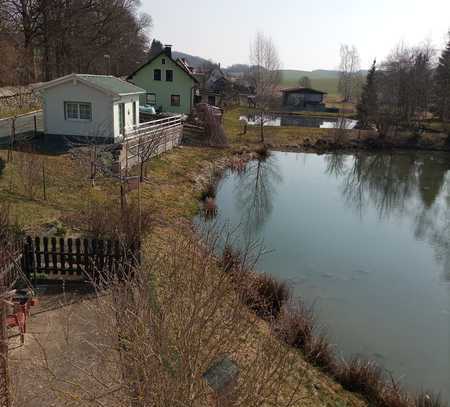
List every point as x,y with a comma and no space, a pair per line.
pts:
273,120
255,191
401,184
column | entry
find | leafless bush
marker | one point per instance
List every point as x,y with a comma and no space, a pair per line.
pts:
209,208
209,191
262,151
363,377
29,167
152,337
107,220
211,117
319,352
297,327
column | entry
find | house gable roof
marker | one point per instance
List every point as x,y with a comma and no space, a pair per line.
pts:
303,90
167,55
104,83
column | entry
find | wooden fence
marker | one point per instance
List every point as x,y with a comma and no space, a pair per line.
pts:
21,127
52,259
151,138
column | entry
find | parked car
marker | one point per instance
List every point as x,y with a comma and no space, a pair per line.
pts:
147,109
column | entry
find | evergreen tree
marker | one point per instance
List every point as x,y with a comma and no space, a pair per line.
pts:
155,48
368,103
442,84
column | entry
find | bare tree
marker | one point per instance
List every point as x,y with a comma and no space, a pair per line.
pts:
265,74
43,32
147,146
350,79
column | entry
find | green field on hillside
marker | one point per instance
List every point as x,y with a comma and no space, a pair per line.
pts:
326,81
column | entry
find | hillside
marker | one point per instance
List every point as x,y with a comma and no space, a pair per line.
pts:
194,61
321,79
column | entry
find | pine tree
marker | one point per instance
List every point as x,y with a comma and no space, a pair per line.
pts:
442,84
368,103
155,48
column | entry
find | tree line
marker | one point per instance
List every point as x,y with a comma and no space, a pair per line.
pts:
44,39
406,89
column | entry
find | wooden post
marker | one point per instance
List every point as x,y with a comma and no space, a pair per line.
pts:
44,180
12,138
4,371
35,126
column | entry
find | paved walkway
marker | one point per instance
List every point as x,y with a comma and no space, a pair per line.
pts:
60,364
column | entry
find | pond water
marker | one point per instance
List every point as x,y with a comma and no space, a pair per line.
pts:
366,238
301,121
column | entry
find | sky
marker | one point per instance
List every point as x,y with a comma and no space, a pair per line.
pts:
308,34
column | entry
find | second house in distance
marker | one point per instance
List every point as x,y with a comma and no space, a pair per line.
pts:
169,83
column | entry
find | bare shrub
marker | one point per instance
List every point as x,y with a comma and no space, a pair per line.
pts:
153,336
362,377
107,220
209,207
231,259
319,352
209,191
262,151
264,295
238,165
296,325
29,168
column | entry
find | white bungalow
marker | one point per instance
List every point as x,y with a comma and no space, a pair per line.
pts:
96,106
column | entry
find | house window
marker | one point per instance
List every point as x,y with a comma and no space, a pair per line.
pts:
212,100
150,99
157,74
163,61
175,100
169,75
77,111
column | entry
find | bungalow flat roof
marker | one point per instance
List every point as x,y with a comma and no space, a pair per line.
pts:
302,90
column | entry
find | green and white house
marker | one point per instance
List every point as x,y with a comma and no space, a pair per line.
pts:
169,84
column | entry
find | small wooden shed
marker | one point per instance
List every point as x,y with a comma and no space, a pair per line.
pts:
95,106
303,99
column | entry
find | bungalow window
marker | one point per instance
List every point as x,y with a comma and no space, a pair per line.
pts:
175,100
169,75
157,74
150,99
77,111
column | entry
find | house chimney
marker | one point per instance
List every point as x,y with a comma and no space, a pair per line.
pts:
168,50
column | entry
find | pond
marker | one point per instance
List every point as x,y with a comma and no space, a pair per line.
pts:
366,239
301,121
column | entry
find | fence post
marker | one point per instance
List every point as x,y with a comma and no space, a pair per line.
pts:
35,126
29,259
4,371
12,138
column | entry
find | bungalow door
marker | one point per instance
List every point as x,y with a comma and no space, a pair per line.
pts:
122,119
